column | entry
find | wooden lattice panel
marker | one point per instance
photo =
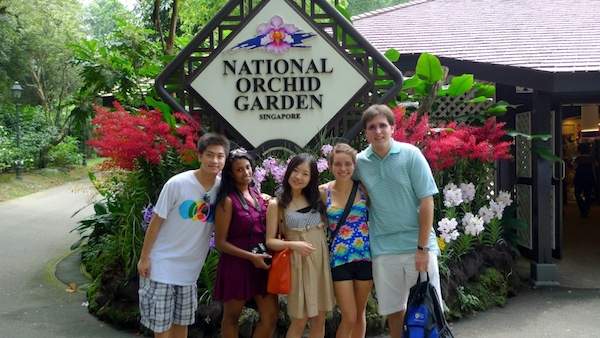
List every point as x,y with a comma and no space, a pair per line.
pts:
523,145
524,212
451,107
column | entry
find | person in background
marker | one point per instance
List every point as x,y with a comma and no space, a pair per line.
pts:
349,252
298,212
177,242
585,179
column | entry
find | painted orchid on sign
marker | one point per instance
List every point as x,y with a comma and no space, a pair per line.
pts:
276,37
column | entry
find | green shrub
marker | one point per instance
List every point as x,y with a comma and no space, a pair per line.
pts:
65,154
7,150
489,289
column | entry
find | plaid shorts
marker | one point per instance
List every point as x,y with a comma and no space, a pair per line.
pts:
162,305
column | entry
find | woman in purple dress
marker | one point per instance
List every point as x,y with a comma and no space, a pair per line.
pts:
240,227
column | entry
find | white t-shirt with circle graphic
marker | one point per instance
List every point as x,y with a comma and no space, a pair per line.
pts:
182,243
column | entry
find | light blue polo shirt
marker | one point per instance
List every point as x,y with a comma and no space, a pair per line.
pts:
396,183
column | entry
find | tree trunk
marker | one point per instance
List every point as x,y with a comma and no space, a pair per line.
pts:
172,28
38,84
156,20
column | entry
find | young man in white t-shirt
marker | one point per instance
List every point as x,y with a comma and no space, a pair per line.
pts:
176,242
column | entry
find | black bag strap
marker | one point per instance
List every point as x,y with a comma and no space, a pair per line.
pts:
442,323
346,212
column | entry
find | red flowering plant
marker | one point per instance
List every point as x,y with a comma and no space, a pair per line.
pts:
449,143
128,139
459,154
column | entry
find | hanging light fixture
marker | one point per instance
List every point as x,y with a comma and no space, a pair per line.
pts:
590,121
589,118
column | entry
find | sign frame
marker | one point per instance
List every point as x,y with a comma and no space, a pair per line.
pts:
383,79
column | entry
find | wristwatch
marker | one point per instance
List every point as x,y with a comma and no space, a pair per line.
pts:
423,248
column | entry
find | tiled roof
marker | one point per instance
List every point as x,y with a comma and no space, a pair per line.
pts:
547,35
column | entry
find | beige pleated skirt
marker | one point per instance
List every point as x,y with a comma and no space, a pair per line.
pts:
312,286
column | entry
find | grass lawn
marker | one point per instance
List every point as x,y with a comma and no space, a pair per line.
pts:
37,180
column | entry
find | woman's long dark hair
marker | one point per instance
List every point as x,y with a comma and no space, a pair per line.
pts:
227,182
310,192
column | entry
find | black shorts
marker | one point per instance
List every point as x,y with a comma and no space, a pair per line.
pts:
359,270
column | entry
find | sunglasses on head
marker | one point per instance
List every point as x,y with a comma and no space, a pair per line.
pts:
206,206
238,152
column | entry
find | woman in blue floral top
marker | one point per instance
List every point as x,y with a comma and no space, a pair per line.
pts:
350,256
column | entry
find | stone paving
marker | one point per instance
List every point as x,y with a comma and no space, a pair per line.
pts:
35,235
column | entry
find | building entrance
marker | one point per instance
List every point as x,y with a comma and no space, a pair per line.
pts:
580,261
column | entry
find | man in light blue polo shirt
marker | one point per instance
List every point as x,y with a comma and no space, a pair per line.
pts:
401,188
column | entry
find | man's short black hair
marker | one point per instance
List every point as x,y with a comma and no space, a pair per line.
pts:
213,139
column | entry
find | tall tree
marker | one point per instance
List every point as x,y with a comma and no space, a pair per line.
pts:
35,35
101,17
38,56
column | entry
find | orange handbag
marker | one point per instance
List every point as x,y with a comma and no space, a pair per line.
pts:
280,274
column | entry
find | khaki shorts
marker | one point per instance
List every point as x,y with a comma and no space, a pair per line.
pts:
394,275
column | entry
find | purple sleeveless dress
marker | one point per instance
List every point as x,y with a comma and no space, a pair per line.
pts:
237,278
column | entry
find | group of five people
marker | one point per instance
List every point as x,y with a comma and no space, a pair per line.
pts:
386,238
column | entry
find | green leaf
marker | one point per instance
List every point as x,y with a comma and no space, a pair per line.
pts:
344,11
543,137
384,83
486,90
411,82
392,54
545,153
429,68
478,99
498,108
419,86
150,70
100,208
460,85
164,109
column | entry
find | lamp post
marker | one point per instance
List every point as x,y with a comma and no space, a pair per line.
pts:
17,90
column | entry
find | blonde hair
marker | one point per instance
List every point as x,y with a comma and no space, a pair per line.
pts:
342,148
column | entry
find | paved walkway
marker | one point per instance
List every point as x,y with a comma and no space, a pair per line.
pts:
35,233
559,312
580,265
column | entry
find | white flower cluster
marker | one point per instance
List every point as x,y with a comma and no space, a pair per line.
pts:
453,195
496,207
468,192
447,229
472,224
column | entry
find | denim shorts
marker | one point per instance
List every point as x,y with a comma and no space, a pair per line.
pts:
162,305
358,270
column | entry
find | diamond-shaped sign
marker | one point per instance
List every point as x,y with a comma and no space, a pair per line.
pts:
272,72
278,77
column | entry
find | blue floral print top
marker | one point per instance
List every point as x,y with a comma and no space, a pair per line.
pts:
351,242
